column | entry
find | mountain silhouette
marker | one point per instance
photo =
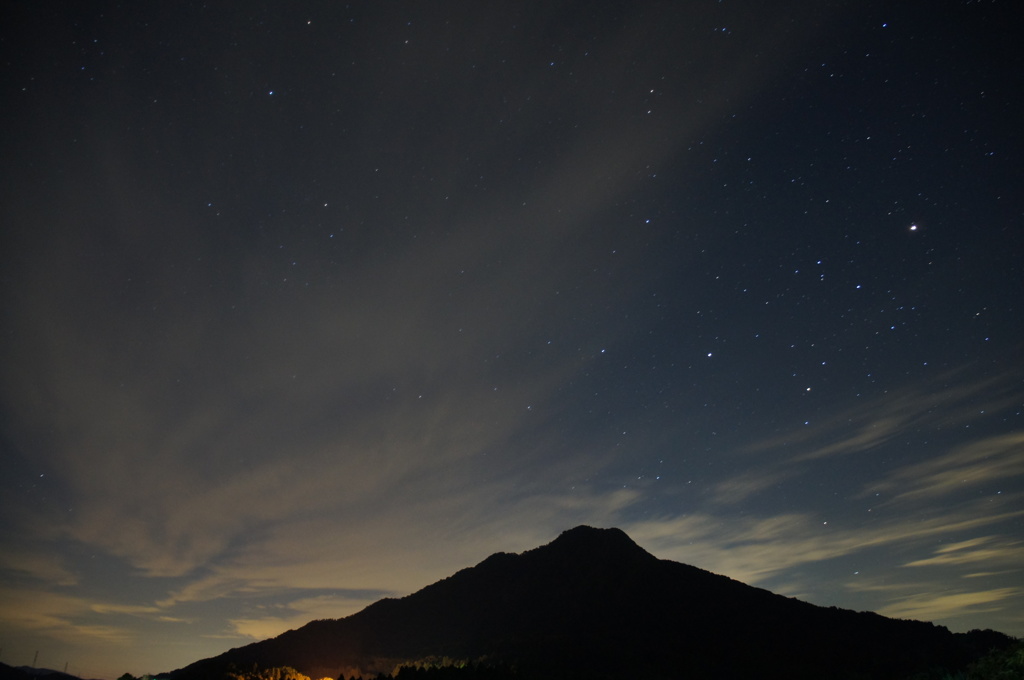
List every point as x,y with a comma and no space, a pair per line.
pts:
30,673
593,604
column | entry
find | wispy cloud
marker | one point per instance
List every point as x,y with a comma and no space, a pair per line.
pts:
741,487
990,550
38,564
948,402
937,606
951,399
62,617
989,462
132,609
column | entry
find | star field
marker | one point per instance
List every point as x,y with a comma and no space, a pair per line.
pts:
309,305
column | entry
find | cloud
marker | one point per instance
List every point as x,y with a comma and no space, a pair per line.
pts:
132,609
36,564
989,550
951,399
740,487
988,463
949,402
933,606
62,617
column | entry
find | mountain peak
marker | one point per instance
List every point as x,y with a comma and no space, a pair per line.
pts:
589,538
586,548
593,532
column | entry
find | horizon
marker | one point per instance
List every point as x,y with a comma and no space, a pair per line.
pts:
309,305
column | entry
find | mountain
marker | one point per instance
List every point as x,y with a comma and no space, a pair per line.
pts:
593,604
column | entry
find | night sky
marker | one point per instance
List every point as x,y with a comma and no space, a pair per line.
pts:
309,304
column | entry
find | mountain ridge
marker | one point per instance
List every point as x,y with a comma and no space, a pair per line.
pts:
592,603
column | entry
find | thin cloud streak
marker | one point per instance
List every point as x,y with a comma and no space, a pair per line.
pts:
866,429
984,463
935,606
991,550
952,399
